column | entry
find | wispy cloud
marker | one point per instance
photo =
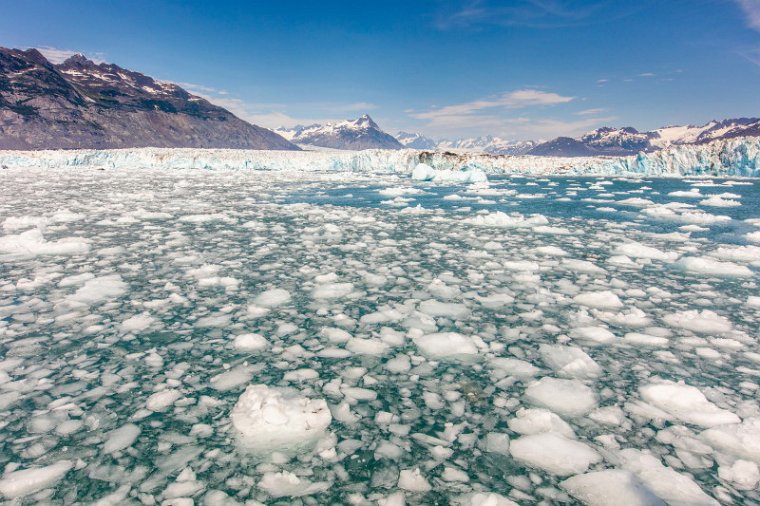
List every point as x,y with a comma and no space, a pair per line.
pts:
510,100
57,55
751,10
590,112
533,13
499,116
752,55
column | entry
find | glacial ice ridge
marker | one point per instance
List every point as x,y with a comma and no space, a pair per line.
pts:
730,157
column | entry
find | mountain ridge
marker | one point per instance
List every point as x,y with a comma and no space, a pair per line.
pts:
82,104
609,141
603,141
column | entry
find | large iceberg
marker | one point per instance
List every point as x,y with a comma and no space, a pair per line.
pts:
268,419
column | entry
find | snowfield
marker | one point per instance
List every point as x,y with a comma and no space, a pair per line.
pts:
315,335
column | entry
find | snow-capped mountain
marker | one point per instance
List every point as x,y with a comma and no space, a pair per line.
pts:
488,144
358,134
82,104
485,144
607,141
714,130
416,141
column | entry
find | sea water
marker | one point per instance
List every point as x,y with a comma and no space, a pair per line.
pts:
238,337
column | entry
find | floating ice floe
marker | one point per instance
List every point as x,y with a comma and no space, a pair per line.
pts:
25,482
564,396
686,403
267,419
32,243
554,453
424,172
712,267
610,486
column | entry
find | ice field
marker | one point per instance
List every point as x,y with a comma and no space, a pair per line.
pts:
227,337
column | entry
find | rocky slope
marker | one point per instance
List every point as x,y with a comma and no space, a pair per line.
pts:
81,104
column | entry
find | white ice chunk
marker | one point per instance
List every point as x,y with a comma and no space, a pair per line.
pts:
232,378
137,323
611,486
272,298
447,345
507,366
162,400
121,438
638,250
599,300
554,453
287,484
686,403
741,440
702,322
28,481
100,289
250,342
485,499
33,243
413,481
672,487
569,361
564,396
332,290
278,419
713,268
537,421
743,474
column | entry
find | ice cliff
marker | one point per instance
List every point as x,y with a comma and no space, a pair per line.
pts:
731,157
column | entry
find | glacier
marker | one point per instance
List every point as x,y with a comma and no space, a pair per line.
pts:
738,157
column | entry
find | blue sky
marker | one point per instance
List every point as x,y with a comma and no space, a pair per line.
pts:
528,69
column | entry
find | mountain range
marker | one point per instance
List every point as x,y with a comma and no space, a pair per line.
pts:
604,141
607,141
82,104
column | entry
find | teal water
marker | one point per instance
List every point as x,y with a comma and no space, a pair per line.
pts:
191,253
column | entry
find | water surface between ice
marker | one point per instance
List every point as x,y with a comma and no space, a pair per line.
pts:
233,337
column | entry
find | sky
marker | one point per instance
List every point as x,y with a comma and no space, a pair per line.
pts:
522,69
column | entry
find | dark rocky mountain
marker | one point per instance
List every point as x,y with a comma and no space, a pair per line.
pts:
81,104
358,134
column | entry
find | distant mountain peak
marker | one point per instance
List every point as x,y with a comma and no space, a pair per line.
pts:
77,59
360,133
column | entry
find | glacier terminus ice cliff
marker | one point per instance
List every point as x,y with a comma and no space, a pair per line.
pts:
729,157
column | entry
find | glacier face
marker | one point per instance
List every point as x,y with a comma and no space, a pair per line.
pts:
731,157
